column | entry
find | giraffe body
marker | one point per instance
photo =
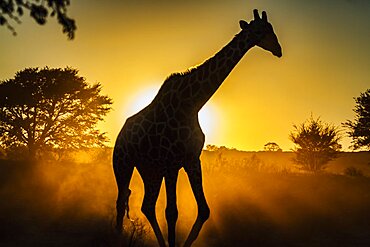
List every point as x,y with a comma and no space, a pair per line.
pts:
161,138
166,136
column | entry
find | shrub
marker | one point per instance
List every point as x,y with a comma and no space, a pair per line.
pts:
316,144
353,172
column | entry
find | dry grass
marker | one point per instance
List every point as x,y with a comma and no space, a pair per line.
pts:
72,204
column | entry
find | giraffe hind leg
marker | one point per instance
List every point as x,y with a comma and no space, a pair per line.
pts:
195,177
152,188
123,172
171,209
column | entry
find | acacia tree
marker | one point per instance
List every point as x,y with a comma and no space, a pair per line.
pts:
272,147
51,108
359,129
316,143
13,10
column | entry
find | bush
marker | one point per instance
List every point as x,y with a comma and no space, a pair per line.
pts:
316,144
353,172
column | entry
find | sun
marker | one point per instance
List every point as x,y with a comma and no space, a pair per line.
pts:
207,115
207,119
142,99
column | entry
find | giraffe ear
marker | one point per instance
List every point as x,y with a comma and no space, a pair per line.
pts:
264,16
243,24
256,15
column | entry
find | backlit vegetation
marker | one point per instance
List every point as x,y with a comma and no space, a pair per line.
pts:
47,109
359,129
252,195
316,142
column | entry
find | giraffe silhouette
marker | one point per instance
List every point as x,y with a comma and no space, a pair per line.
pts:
166,136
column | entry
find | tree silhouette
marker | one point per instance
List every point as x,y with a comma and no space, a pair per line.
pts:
211,147
316,144
51,108
359,129
13,10
272,147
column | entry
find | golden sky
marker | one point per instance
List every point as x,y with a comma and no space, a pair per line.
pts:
132,46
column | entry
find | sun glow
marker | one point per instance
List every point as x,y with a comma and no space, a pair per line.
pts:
142,99
207,115
207,119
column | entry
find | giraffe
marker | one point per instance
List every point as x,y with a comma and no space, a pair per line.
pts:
166,136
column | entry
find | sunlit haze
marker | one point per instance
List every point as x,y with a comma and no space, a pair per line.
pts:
130,47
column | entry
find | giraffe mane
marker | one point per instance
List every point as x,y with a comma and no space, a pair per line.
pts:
193,68
183,73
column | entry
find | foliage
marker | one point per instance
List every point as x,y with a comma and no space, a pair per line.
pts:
241,162
214,148
51,108
137,233
39,11
316,144
211,147
272,147
359,129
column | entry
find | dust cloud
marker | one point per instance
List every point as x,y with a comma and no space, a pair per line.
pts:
256,199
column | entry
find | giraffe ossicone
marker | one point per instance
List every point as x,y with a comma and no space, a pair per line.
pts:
166,136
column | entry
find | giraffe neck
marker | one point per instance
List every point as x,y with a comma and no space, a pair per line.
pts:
205,79
189,91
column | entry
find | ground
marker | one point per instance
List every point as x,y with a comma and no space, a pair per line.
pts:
71,203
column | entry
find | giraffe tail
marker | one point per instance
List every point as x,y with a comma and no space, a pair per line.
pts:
123,172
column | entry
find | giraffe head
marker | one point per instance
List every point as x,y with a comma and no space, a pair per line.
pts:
263,33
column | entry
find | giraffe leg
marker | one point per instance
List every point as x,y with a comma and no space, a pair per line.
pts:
123,172
152,189
195,177
171,209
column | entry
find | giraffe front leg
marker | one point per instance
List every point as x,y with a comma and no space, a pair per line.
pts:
148,207
195,177
123,171
171,209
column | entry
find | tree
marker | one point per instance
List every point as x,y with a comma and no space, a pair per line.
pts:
211,147
214,148
271,147
51,108
359,129
39,11
316,144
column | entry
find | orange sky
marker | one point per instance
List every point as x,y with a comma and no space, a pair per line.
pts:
132,46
